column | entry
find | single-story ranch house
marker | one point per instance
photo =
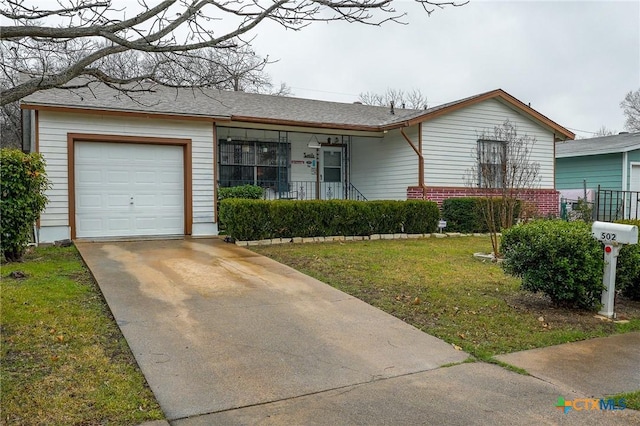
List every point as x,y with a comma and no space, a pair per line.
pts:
150,162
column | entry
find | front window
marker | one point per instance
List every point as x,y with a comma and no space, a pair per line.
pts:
254,162
492,163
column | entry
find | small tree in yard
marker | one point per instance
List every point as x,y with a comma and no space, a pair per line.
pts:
501,175
22,185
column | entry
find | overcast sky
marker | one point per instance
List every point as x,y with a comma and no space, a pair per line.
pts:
573,61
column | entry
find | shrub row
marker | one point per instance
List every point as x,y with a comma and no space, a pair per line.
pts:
465,214
253,192
261,219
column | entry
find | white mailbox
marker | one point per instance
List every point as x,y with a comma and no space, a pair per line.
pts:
615,233
614,236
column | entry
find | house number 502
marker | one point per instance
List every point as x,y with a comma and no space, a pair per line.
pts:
608,236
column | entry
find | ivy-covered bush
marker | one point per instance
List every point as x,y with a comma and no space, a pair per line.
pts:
253,192
22,185
628,270
560,259
261,219
464,214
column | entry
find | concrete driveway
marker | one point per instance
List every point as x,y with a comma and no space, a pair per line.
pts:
226,336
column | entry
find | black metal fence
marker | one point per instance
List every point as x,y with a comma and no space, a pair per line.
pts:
579,209
612,204
306,190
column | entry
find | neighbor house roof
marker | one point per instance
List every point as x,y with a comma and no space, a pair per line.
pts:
220,105
623,142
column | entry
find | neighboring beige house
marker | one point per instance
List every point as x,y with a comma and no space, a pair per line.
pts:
150,162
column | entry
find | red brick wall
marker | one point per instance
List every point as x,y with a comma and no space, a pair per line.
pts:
545,201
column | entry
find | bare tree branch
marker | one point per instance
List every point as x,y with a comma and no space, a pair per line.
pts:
502,175
631,108
604,131
97,29
32,13
412,100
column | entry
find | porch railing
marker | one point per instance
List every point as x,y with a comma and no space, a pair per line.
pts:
613,205
306,190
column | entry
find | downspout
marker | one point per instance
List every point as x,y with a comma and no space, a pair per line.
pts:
418,151
625,171
216,172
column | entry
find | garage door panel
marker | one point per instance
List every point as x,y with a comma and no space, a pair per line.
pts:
146,223
117,201
118,176
119,225
168,201
90,224
128,189
148,177
90,176
90,202
169,178
149,200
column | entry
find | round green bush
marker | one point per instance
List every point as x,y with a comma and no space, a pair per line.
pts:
22,184
628,270
560,259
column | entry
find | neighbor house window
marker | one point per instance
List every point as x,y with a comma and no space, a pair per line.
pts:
492,163
254,162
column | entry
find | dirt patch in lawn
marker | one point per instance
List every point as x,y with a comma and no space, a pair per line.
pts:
554,316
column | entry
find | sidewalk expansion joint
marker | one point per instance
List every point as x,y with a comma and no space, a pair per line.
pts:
345,389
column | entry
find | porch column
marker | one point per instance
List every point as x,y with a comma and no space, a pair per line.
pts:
418,151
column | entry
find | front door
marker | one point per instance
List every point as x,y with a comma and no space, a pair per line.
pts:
331,173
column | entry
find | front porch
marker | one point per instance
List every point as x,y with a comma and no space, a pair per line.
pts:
287,165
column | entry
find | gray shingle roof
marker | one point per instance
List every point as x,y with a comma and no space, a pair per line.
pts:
602,145
214,103
210,103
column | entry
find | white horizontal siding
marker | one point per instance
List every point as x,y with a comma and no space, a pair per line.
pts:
450,142
382,169
53,130
299,148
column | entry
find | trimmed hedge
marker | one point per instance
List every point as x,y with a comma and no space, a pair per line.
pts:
464,214
262,219
628,268
253,192
560,259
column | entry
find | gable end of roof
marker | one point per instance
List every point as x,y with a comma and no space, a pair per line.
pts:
561,132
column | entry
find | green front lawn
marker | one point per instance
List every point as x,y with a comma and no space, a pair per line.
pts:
631,399
437,286
64,360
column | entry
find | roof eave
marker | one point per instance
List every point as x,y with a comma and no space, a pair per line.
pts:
598,152
498,93
320,125
238,118
120,112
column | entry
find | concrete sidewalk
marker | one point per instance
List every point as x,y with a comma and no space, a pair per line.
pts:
225,336
594,368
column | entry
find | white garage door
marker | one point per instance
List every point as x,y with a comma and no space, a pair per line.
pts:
124,189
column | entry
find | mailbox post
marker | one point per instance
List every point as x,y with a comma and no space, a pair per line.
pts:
614,236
